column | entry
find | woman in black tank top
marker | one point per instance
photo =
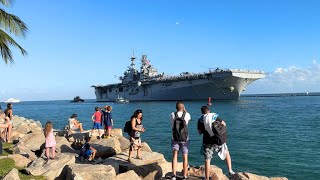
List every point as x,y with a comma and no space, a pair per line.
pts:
137,129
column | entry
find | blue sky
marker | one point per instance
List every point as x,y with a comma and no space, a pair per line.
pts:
75,44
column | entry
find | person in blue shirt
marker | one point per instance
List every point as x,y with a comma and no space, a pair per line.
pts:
107,120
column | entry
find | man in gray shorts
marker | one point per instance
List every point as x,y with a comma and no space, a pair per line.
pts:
210,143
178,145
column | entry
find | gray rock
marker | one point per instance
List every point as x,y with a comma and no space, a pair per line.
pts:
51,169
127,175
12,175
106,147
90,172
23,150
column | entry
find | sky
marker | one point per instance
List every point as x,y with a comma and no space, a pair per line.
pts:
75,44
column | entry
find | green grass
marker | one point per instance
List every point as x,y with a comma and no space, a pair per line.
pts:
6,149
7,164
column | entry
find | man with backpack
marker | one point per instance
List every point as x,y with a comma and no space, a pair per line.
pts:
214,139
180,138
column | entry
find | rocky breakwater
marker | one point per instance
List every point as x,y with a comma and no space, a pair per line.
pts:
111,162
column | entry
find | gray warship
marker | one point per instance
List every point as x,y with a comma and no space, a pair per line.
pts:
149,85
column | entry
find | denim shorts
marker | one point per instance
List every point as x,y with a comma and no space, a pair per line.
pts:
97,125
177,146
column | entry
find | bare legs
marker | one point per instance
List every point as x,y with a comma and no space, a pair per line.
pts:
174,162
7,133
109,132
228,161
207,169
53,152
185,164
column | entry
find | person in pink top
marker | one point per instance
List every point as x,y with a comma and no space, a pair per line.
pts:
50,140
96,118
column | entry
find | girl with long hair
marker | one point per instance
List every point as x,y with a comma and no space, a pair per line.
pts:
50,140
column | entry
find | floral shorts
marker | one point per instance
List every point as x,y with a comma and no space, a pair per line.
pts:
135,143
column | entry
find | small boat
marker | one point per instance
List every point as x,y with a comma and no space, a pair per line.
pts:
77,99
12,100
122,100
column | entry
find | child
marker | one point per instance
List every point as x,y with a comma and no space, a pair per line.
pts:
50,141
87,151
108,121
96,118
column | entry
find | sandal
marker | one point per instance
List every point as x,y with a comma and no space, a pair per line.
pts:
139,157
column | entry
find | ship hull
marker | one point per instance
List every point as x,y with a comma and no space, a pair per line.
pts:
226,86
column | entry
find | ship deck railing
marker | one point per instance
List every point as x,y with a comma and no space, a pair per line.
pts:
188,76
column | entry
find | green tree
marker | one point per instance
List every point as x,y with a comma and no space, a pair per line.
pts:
13,25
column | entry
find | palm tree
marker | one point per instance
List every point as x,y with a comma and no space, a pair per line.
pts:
12,24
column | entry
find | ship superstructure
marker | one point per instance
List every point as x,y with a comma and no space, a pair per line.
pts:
148,85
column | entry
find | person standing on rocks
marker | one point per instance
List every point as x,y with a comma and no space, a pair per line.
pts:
6,121
135,134
107,121
213,142
50,140
180,138
8,130
96,118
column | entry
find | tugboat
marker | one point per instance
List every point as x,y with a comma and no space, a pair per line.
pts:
122,100
77,99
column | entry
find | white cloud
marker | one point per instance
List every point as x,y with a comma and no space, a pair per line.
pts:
290,79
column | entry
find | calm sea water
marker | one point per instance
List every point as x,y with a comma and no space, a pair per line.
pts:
268,136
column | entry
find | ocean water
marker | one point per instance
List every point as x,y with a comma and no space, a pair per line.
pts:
277,136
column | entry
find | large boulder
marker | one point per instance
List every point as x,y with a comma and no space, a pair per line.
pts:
278,178
106,147
250,176
23,150
215,172
33,141
19,160
90,172
50,168
12,175
64,146
146,147
124,143
149,163
22,127
114,132
127,175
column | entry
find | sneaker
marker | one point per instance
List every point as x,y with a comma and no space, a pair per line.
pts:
98,137
231,173
173,177
185,178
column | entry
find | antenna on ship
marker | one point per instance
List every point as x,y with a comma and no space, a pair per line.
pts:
132,60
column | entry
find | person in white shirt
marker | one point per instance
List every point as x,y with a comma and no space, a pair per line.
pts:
180,138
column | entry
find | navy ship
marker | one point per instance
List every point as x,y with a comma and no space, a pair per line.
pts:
149,85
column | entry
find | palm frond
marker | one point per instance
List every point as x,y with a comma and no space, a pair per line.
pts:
6,3
5,42
12,23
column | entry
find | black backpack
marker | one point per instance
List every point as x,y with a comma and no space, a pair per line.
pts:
127,127
220,132
180,128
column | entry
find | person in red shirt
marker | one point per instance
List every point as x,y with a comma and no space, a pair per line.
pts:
96,118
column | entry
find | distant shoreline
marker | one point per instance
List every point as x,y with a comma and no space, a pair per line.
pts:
282,94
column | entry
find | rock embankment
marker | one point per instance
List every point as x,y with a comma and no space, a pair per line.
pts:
111,162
